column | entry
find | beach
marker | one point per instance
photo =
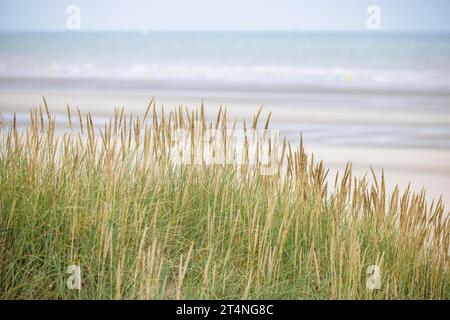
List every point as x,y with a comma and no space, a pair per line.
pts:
404,160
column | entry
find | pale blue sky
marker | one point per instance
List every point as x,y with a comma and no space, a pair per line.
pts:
236,15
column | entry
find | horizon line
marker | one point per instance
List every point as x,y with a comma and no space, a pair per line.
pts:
147,31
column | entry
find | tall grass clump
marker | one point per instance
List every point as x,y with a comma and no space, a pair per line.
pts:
141,226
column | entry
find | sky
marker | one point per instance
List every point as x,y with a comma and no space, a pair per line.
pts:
226,15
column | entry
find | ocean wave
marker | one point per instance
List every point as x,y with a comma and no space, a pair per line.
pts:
230,73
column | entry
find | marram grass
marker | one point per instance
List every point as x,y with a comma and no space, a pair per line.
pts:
141,227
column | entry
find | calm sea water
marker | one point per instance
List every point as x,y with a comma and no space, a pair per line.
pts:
368,60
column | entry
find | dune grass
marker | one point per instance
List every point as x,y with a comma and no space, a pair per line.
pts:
141,226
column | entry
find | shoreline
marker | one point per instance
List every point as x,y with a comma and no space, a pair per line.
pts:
228,87
319,110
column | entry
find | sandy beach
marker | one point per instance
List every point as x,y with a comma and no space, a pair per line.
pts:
422,167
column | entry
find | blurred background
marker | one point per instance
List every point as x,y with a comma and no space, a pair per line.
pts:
367,81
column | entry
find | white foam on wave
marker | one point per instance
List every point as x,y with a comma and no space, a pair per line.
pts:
232,73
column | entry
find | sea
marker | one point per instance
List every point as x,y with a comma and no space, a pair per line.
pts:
368,71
